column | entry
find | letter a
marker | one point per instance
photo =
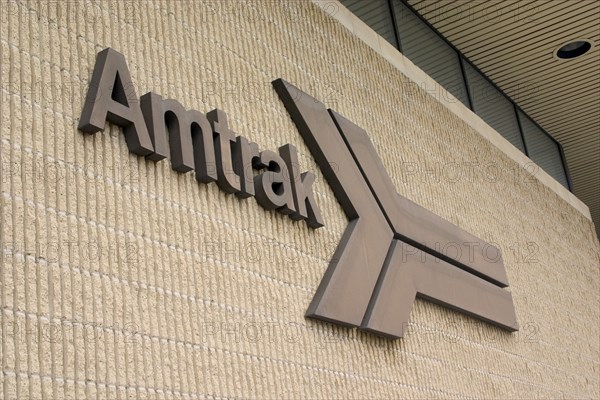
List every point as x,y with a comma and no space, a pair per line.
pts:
111,97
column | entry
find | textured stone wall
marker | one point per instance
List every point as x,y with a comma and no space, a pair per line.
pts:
121,278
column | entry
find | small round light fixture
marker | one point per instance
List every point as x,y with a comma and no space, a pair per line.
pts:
573,49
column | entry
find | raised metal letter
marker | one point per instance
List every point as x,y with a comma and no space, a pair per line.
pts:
111,97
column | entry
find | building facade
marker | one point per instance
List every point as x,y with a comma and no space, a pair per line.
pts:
124,278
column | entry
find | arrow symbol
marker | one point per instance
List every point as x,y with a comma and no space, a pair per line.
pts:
386,256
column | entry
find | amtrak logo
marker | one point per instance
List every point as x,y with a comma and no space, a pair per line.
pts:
392,249
389,253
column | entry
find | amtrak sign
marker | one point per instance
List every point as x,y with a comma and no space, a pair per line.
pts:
158,128
390,251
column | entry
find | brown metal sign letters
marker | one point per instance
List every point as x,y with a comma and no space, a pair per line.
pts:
391,250
159,128
387,255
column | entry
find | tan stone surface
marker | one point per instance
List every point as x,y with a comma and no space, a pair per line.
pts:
121,278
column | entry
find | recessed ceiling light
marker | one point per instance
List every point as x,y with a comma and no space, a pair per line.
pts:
573,49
